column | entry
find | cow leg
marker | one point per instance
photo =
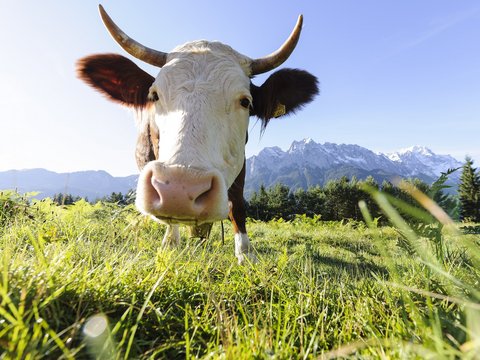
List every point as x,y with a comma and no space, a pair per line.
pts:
238,217
171,237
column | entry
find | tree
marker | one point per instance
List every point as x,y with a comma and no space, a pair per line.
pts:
65,199
258,205
310,202
447,202
281,202
274,202
370,183
469,192
341,199
120,199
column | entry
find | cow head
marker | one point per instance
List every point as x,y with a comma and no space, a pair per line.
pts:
194,117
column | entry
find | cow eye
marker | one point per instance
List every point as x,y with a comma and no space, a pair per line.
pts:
153,96
245,102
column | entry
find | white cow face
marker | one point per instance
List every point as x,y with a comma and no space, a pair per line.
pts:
202,102
201,110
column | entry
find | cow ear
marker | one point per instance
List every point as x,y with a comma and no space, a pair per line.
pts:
117,77
284,92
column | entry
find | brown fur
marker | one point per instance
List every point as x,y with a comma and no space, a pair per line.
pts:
237,212
154,138
145,150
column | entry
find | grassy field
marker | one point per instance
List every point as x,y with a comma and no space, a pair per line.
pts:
90,281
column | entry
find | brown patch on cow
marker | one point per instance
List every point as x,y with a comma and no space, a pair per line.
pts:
144,151
147,145
117,77
154,137
237,213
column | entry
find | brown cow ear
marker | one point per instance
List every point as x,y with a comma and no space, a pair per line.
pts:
117,77
284,92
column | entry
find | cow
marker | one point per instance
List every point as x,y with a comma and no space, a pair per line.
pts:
193,123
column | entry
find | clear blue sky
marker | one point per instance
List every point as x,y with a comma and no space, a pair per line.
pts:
392,74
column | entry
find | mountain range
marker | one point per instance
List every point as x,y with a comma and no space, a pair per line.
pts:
87,184
306,163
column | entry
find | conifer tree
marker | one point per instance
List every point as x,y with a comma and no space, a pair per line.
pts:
258,205
469,192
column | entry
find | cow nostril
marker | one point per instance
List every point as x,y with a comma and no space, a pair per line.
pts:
155,190
203,197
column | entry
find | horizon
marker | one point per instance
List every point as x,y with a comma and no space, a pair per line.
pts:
399,151
391,75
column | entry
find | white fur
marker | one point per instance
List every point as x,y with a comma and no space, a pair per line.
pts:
243,248
198,114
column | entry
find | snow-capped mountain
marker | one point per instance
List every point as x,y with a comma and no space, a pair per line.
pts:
328,155
422,159
307,163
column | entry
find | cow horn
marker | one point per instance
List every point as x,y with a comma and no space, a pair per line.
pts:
134,48
275,59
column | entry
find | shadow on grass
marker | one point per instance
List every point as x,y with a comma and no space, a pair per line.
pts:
355,247
358,266
361,268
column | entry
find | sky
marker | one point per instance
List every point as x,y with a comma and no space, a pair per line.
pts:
392,74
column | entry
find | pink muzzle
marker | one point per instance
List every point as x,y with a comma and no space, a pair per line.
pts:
177,194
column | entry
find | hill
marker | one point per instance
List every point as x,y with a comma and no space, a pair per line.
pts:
87,184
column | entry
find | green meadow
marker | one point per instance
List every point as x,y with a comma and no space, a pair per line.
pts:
90,281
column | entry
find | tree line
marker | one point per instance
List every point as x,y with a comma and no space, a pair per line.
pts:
338,199
114,198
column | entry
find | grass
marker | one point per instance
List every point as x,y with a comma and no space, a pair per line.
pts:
91,281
